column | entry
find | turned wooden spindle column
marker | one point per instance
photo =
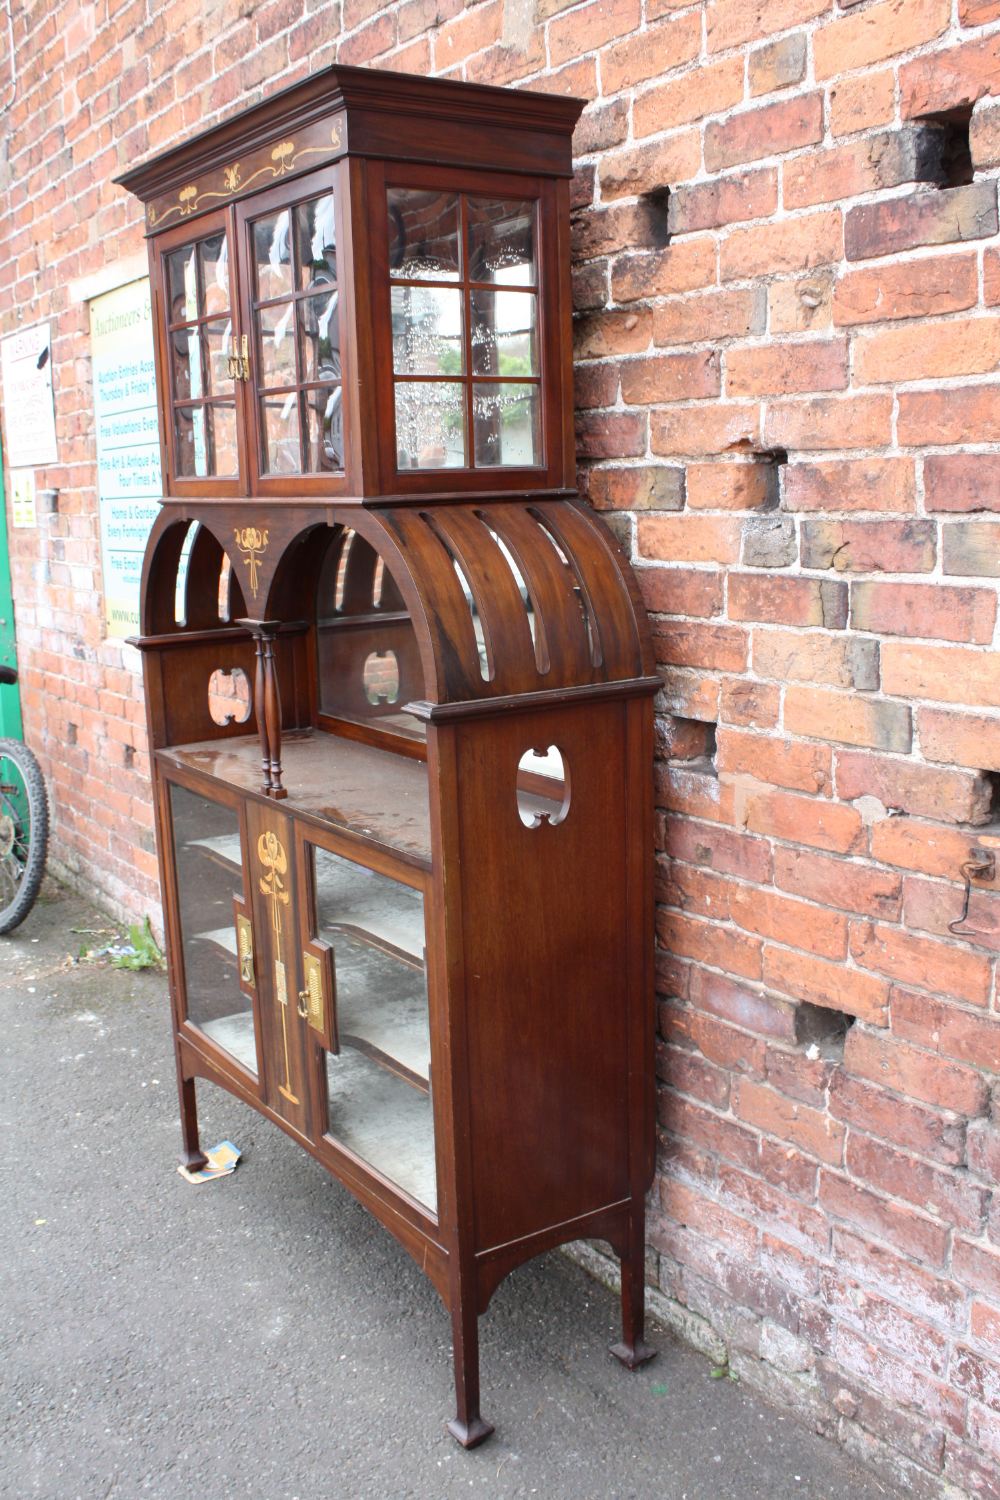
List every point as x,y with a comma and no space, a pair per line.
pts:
267,701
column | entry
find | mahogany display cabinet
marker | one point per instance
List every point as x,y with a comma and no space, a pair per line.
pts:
398,679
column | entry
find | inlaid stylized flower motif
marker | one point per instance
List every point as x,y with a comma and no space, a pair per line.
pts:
251,543
231,177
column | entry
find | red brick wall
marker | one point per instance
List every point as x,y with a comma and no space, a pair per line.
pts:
788,405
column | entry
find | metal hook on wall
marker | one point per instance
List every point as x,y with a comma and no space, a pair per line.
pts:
981,865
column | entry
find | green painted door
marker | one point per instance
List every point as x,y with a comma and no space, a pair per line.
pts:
10,702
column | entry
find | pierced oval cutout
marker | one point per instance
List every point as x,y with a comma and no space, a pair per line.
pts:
543,790
381,677
229,698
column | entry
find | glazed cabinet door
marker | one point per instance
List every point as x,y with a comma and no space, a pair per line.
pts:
203,361
290,277
363,937
212,939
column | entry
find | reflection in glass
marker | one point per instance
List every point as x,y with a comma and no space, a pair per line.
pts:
273,255
423,235
218,339
213,265
379,1082
501,240
276,333
319,331
324,429
316,242
430,424
222,430
189,442
506,425
427,331
182,285
185,347
209,876
503,333
279,417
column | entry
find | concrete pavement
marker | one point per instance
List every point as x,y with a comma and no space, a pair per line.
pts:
262,1336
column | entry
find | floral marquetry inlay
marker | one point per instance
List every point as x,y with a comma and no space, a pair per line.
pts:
251,542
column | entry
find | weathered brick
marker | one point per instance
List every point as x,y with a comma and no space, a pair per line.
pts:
830,985
939,218
837,660
590,27
962,481
721,849
681,591
870,546
726,200
932,905
963,346
750,135
861,101
701,430
959,739
784,920
912,154
803,820
795,244
838,882
730,23
984,138
601,127
713,315
712,87
787,369
682,267
971,549
673,42
612,332
925,963
639,487
881,31
915,1073
669,377
847,719
875,1316
925,609
823,422
933,1133
950,79
911,845
905,1228
732,486
803,304
906,289
861,484
643,169
948,417
707,942
720,648
777,65
924,791
787,601
949,674
754,705
780,762
610,435
812,1130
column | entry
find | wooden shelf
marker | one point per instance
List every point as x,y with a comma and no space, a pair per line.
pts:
235,1035
382,1006
373,794
385,1122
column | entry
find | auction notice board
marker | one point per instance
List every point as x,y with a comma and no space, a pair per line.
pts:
128,445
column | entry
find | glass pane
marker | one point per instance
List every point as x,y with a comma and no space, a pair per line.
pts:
213,257
224,454
503,333
430,424
276,344
316,243
209,875
319,331
182,285
423,235
185,363
501,240
505,419
273,256
218,342
279,416
191,449
380,1081
427,331
324,429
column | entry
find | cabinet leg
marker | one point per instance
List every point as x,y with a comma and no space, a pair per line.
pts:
633,1350
192,1157
468,1427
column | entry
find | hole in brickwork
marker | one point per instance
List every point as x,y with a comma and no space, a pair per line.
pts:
821,1031
128,756
993,777
775,459
655,210
946,156
692,741
71,734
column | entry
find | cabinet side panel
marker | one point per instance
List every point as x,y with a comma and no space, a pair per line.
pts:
546,972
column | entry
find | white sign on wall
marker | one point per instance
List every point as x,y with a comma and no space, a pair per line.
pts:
29,415
128,446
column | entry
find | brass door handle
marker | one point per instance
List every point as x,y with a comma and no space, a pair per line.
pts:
303,1005
244,948
244,360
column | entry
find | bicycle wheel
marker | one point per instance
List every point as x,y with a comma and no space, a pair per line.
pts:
24,832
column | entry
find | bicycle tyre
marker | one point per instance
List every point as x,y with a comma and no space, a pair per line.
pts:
32,867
